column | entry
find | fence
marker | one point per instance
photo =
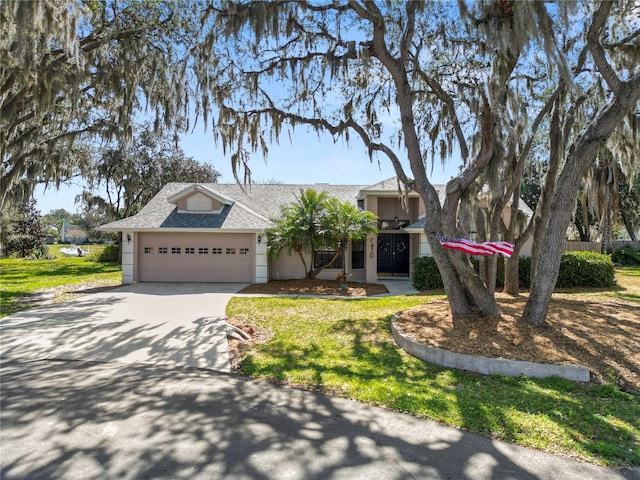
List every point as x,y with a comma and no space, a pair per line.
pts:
573,246
626,243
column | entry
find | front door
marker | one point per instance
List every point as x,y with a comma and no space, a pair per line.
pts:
393,255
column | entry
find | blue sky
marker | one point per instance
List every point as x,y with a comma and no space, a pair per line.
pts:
305,160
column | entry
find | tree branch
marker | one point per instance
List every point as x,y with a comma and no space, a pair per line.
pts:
597,50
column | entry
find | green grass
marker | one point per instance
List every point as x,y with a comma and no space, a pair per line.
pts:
20,277
345,348
628,280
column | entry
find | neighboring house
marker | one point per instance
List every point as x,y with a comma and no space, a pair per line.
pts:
216,233
73,233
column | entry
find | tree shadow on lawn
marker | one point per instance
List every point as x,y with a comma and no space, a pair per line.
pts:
379,372
55,269
93,420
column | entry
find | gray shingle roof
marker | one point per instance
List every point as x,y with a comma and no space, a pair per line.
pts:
253,207
390,184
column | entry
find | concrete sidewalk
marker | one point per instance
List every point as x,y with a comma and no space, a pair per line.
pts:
71,420
175,324
398,287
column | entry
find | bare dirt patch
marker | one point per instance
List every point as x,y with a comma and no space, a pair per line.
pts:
315,287
238,348
595,331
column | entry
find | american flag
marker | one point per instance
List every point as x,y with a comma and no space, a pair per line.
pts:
477,248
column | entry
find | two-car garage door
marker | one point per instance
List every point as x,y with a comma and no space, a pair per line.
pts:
195,257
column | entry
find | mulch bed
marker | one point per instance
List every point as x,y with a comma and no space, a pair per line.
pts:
315,287
594,331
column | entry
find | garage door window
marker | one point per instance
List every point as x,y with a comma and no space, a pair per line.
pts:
216,251
203,251
176,250
148,249
231,251
162,250
244,251
189,250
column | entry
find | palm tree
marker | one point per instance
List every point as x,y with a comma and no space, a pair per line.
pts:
345,223
300,228
315,221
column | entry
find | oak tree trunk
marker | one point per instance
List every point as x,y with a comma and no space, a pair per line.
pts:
552,239
512,274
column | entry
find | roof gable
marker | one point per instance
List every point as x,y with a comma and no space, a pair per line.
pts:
197,190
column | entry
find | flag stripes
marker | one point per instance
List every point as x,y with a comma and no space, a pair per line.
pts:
476,248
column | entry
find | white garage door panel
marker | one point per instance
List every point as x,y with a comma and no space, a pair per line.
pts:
154,266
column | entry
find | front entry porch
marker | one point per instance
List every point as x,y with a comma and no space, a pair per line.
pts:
393,255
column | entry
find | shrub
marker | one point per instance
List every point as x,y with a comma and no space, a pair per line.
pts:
41,253
110,253
426,275
586,269
524,271
626,255
577,269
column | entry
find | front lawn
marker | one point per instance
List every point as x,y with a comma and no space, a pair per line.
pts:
345,348
628,280
22,280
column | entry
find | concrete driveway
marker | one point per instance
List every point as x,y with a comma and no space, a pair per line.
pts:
174,324
79,420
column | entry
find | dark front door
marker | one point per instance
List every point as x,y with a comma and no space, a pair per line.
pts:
393,255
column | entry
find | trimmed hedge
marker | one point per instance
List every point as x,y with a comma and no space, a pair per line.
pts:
109,254
426,275
524,272
586,269
626,256
577,269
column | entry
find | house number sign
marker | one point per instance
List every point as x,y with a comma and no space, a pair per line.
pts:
371,246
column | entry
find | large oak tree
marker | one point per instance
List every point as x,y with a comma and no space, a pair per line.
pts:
84,69
121,179
414,82
420,80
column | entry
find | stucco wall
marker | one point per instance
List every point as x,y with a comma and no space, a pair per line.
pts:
287,267
391,207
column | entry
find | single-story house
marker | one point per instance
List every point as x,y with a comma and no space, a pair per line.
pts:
215,232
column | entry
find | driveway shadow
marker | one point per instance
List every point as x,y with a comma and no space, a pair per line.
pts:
69,420
161,324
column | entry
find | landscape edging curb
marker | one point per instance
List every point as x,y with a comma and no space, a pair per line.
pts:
486,365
